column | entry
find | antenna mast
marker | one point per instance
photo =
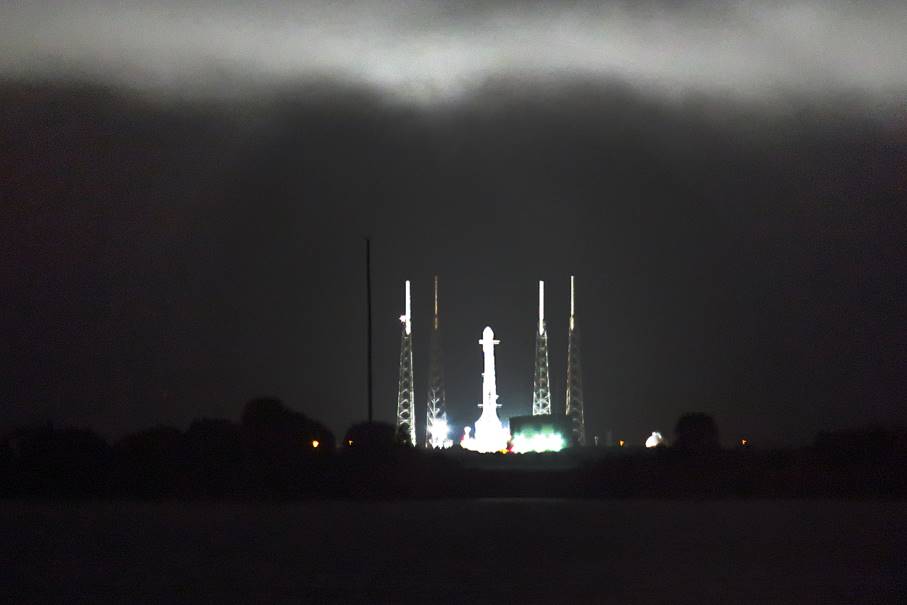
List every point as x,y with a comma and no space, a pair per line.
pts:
406,425
368,307
574,399
541,394
436,428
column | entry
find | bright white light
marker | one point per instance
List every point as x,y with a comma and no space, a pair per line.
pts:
654,440
425,51
407,317
541,307
537,442
571,296
439,434
487,440
571,303
491,436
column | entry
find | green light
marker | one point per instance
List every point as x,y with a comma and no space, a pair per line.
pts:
537,442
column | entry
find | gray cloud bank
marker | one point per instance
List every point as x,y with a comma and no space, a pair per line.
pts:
427,52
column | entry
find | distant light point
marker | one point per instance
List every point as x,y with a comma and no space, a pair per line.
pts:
654,440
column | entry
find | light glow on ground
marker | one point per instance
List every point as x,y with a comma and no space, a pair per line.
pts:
486,441
440,432
525,443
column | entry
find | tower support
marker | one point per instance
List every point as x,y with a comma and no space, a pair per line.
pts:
574,399
436,428
541,393
406,418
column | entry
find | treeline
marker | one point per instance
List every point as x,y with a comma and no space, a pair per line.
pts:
269,452
272,453
276,453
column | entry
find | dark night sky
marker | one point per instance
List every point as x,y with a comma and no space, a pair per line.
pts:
185,190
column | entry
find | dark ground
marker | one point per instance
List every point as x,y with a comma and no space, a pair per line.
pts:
464,551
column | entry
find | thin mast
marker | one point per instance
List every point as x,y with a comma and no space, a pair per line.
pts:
541,306
368,304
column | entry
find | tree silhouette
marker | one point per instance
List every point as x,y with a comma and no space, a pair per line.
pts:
371,437
696,432
152,463
214,455
61,462
403,436
284,450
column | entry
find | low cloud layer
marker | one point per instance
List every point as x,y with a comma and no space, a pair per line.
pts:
433,51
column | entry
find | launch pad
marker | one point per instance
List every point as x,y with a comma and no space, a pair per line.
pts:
544,431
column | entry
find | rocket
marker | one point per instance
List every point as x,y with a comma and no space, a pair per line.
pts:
490,435
489,384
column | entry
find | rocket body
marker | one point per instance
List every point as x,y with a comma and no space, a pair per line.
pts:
490,434
489,383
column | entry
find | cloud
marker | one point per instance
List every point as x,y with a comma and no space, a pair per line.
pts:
429,52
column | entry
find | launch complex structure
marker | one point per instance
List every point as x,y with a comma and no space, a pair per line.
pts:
490,434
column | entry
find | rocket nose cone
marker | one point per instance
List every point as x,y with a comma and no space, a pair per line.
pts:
488,333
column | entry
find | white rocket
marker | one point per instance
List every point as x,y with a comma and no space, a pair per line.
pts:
490,435
489,383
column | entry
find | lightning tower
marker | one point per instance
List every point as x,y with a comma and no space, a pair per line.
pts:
575,376
406,418
541,394
436,429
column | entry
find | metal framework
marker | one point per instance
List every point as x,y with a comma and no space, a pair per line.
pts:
541,394
574,399
406,418
436,428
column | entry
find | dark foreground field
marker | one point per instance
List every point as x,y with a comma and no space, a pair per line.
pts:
466,551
